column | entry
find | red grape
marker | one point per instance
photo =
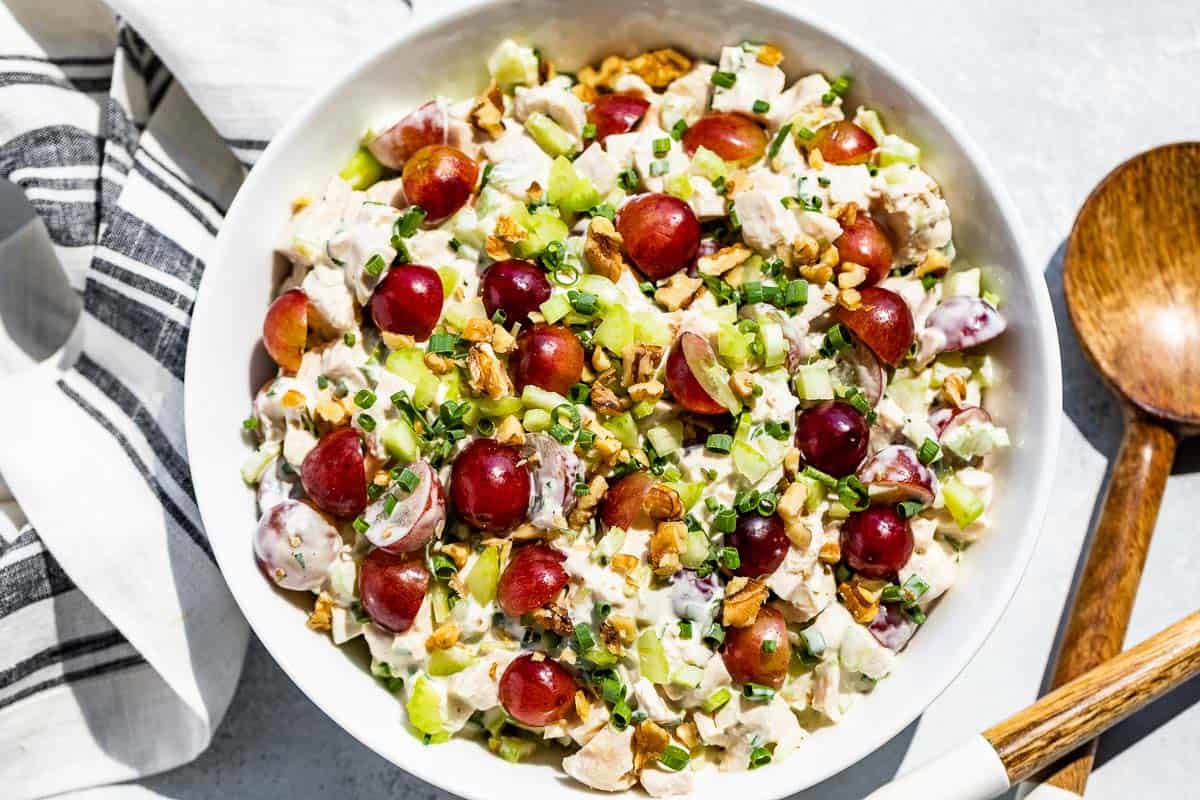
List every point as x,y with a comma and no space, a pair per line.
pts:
832,437
876,542
965,322
621,506
683,385
866,243
439,179
858,366
661,234
895,474
761,543
515,287
616,113
285,329
392,587
883,321
537,690
945,420
489,485
892,628
843,143
416,516
295,546
743,652
408,300
425,126
734,137
531,579
334,474
547,356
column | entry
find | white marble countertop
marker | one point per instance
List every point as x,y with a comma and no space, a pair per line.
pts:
1058,93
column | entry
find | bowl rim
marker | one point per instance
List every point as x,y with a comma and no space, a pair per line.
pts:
1044,334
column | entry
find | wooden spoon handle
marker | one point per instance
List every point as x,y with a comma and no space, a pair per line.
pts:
1100,613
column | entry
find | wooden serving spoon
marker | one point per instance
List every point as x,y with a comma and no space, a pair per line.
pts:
1077,712
1132,280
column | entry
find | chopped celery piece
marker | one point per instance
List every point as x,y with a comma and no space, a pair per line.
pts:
555,308
400,441
256,463
666,438
894,150
964,283
609,544
918,429
695,551
537,397
464,225
449,276
458,314
511,64
723,314
985,373
652,658
774,346
838,511
733,346
648,328
425,708
868,119
625,429
448,662
974,439
689,493
812,382
543,227
362,170
410,365
484,575
909,394
616,332
687,675
680,185
607,293
600,656
494,719
963,504
717,699
709,165
749,463
569,190
814,492
514,749
501,407
536,420
642,409
549,135
439,602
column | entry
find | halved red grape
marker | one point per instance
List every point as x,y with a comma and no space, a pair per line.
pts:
515,287
439,179
548,356
892,628
408,300
334,474
734,137
895,474
616,113
876,542
832,436
682,382
423,127
489,485
408,520
866,243
295,546
555,471
392,587
531,579
761,543
883,321
843,143
965,322
285,329
537,690
745,658
661,234
945,420
858,366
622,503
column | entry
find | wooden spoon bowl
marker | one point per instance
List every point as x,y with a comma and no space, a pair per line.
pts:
1132,281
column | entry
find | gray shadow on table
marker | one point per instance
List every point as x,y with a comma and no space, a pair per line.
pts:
1096,413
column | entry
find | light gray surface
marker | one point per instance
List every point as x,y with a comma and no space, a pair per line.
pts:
1058,93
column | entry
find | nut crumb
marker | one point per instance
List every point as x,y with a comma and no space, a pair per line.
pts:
478,330
661,502
723,260
510,431
659,67
770,55
602,249
678,292
444,637
438,364
321,618
743,598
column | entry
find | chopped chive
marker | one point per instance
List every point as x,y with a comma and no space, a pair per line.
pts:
622,715
852,493
361,525
389,505
715,634
835,340
759,756
823,181
685,629
487,174
349,338
659,168
646,287
761,107
374,490
442,343
725,521
584,637
730,558
366,422
825,478
661,147
408,480
769,645
805,134
322,382
250,423
778,141
364,398
678,130
927,281
725,80
409,222
561,433
715,700
585,303
443,567
719,442
580,489
604,210
374,266
909,508
455,244
485,426
928,452
756,691
628,180
674,758
589,131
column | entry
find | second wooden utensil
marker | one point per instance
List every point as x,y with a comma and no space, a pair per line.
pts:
1075,713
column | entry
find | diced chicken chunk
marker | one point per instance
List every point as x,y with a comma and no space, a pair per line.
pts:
605,762
659,781
687,98
554,99
754,81
517,161
914,211
598,167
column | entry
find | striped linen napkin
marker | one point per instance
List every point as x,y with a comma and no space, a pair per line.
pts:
129,127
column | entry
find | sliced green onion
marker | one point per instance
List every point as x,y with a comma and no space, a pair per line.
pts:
442,343
678,130
366,422
349,338
909,508
408,480
374,266
715,700
360,525
659,168
758,692
364,398
407,225
661,147
674,758
715,634
812,472
759,756
778,141
725,80
584,637
589,131
443,567
725,521
760,107
928,451
719,442
769,645
730,557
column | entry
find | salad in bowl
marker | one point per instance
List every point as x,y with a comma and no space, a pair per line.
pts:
636,416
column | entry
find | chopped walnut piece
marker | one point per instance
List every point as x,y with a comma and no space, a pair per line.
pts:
650,740
300,203
456,552
935,262
791,462
851,275
488,112
583,706
791,510
397,341
659,67
954,389
805,250
845,213
861,598
819,274
724,259
625,627
605,401
478,329
485,373
510,431
743,598
553,618
666,544
584,92
321,618
602,249
770,55
624,563
535,192
585,507
742,384
608,447
639,363
610,68
611,638
508,230
496,249
528,533
600,360
444,637
648,392
661,502
502,340
438,364
830,553
678,292
687,733
331,412
849,299
831,257
816,159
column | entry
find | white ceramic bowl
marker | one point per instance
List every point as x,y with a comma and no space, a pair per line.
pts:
447,55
